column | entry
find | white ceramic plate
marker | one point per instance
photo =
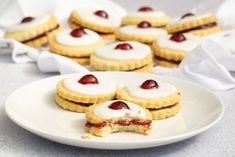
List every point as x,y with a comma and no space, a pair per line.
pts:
32,107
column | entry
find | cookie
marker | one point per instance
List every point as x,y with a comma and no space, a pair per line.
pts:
122,56
155,18
77,44
105,36
143,32
200,25
33,31
98,20
158,97
115,116
170,50
81,91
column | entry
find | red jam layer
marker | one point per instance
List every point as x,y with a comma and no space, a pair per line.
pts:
209,25
156,109
41,35
146,123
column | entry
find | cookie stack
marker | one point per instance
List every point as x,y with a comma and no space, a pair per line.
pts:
200,25
161,99
33,31
102,21
77,44
81,91
170,50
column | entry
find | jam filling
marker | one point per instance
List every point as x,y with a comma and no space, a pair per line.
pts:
171,61
146,123
41,35
209,25
156,109
80,103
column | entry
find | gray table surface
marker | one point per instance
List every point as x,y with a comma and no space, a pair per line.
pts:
218,141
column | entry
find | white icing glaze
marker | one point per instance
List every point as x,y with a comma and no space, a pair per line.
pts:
22,26
105,86
88,14
104,111
139,51
164,89
151,14
143,31
66,39
189,44
189,18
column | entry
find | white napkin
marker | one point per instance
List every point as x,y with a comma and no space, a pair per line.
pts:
47,61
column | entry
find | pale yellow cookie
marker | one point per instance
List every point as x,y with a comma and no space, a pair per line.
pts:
166,63
168,53
201,26
76,19
103,64
165,112
102,126
70,105
159,102
73,51
78,97
37,35
155,23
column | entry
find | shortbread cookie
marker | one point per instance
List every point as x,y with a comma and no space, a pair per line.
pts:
77,44
170,50
122,56
105,36
156,18
143,32
200,25
159,97
115,116
78,92
33,31
98,20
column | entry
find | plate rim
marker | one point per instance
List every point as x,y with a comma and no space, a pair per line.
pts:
176,138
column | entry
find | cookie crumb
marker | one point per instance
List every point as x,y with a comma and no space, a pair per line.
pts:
86,136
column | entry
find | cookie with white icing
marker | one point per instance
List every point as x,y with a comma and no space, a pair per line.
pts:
99,20
170,50
78,92
122,56
143,32
33,31
114,116
200,25
145,13
77,44
160,98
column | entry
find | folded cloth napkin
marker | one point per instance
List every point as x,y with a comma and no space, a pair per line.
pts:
47,61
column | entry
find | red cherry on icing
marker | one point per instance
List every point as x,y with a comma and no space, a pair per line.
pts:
145,9
149,84
144,24
88,79
102,14
78,32
27,19
178,37
124,46
186,15
118,105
